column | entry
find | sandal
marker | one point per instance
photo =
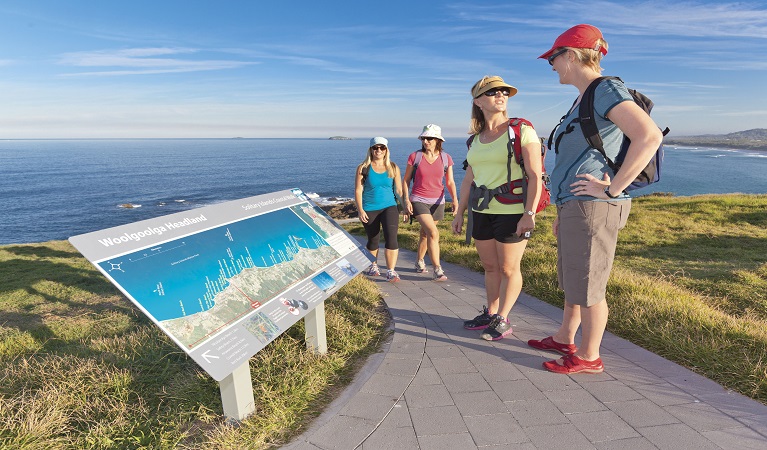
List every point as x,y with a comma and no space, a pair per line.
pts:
550,344
570,364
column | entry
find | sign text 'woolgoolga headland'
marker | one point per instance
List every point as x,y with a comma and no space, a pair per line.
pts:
151,231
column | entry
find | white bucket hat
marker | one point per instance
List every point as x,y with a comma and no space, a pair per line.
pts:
432,130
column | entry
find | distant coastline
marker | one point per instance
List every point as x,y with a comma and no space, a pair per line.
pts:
755,139
340,138
755,146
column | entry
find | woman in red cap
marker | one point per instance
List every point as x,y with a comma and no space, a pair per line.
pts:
500,230
591,203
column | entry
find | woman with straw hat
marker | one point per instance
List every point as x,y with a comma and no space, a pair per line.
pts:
500,230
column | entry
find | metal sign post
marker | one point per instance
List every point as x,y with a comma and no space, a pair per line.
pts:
237,394
314,324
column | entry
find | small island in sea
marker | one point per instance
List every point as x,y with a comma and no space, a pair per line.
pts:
340,138
755,139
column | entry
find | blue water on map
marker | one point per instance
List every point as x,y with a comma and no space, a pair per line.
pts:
207,261
54,189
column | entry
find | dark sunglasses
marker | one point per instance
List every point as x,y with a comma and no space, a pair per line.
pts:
378,147
551,58
505,91
428,138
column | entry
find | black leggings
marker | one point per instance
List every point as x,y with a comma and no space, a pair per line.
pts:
389,218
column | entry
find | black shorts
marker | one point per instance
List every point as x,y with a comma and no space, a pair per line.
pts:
437,210
501,227
386,219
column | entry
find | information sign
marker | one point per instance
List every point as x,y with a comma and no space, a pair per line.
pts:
224,280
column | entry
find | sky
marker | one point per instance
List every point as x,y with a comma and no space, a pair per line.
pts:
309,69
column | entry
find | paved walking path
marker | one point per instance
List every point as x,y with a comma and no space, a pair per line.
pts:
438,386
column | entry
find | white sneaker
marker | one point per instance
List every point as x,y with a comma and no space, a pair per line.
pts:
392,276
373,271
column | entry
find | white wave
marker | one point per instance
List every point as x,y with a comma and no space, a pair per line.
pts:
324,201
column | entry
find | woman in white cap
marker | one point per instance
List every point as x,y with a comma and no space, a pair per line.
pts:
427,168
500,230
377,189
591,204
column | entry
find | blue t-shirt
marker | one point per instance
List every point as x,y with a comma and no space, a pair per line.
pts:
575,156
378,191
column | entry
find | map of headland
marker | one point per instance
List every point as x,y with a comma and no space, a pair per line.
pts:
197,285
317,219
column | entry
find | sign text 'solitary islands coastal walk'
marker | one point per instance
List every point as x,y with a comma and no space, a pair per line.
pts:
225,280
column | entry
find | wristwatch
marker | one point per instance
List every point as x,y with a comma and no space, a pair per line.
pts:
607,193
530,213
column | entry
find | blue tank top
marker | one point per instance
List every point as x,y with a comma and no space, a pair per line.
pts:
378,192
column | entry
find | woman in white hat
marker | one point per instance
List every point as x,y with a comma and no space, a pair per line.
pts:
427,168
377,188
500,230
591,204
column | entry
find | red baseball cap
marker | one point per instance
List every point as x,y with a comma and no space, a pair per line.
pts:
579,36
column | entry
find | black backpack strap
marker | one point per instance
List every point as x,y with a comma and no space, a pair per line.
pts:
554,130
416,161
468,147
588,122
365,171
569,129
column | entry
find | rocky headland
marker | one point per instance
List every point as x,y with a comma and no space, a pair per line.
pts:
755,139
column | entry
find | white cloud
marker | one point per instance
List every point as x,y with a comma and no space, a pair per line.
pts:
145,60
652,18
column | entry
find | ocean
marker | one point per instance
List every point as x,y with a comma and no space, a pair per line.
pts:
54,189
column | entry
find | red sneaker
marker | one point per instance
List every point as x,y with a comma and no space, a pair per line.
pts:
570,364
550,344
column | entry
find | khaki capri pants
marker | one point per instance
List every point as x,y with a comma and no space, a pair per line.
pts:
586,242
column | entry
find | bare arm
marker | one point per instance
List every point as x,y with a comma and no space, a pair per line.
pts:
358,195
531,155
463,203
398,186
645,139
451,188
406,189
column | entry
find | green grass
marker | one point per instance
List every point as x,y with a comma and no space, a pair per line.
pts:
80,367
689,281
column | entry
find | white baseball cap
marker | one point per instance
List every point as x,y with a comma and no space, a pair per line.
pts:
378,140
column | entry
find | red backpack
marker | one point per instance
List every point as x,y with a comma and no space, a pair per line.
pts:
505,192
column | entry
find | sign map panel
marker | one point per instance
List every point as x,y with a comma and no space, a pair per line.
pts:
225,280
